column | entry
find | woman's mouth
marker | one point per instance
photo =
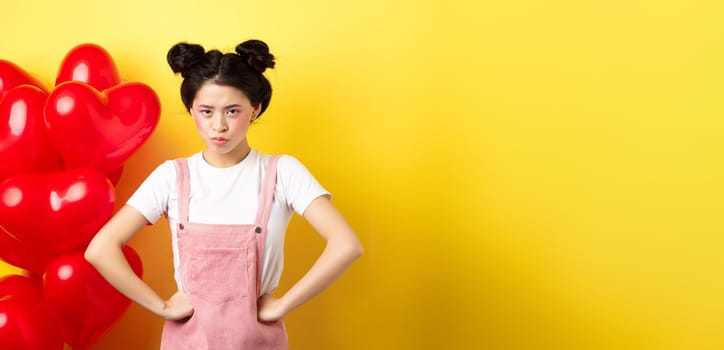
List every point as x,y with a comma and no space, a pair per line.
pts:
219,141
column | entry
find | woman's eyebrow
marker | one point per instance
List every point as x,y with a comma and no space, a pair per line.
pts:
225,107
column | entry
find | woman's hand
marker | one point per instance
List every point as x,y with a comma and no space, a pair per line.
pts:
270,309
178,307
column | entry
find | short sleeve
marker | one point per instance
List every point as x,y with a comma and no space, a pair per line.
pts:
297,185
151,199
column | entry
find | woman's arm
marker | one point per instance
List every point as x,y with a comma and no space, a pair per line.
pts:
105,254
342,249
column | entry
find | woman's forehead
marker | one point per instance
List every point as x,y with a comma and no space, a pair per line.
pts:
215,94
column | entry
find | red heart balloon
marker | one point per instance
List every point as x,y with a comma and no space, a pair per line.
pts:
25,321
91,64
24,143
115,176
22,288
86,304
11,76
18,254
100,130
28,326
56,212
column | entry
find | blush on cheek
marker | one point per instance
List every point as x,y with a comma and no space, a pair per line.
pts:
239,123
197,122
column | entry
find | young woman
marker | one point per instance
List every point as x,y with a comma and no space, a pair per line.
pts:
228,207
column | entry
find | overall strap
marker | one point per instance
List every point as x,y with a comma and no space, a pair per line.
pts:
262,216
182,176
267,193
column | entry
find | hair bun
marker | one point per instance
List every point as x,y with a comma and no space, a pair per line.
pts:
183,55
256,54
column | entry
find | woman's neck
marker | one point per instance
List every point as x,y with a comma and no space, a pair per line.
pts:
225,160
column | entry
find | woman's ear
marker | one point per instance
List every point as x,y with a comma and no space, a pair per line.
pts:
255,112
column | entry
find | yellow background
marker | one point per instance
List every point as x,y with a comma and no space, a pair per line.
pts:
523,174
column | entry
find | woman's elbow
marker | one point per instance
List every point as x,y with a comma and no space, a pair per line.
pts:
347,247
90,255
93,253
355,250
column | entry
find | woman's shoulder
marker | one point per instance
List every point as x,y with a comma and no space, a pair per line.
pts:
167,169
296,185
286,163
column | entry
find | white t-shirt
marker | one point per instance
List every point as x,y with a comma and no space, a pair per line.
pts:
231,196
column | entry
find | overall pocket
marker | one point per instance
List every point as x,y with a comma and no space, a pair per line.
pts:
217,275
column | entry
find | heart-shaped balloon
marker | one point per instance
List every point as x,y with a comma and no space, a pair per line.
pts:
28,326
24,143
22,288
18,254
86,304
11,75
91,64
25,321
115,176
100,130
56,212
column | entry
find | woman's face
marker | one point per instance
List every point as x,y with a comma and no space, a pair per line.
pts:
222,115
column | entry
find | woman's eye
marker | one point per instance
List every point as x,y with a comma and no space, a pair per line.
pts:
233,112
205,112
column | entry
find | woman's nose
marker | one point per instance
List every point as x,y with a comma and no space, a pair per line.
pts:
219,124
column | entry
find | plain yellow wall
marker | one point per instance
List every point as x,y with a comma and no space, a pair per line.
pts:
523,174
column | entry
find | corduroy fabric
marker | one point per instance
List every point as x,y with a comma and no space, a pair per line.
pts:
221,273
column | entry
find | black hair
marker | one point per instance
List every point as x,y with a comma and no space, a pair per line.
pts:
242,70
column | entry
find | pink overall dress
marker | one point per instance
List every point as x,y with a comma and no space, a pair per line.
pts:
221,272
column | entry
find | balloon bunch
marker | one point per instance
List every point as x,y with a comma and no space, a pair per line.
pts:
61,154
